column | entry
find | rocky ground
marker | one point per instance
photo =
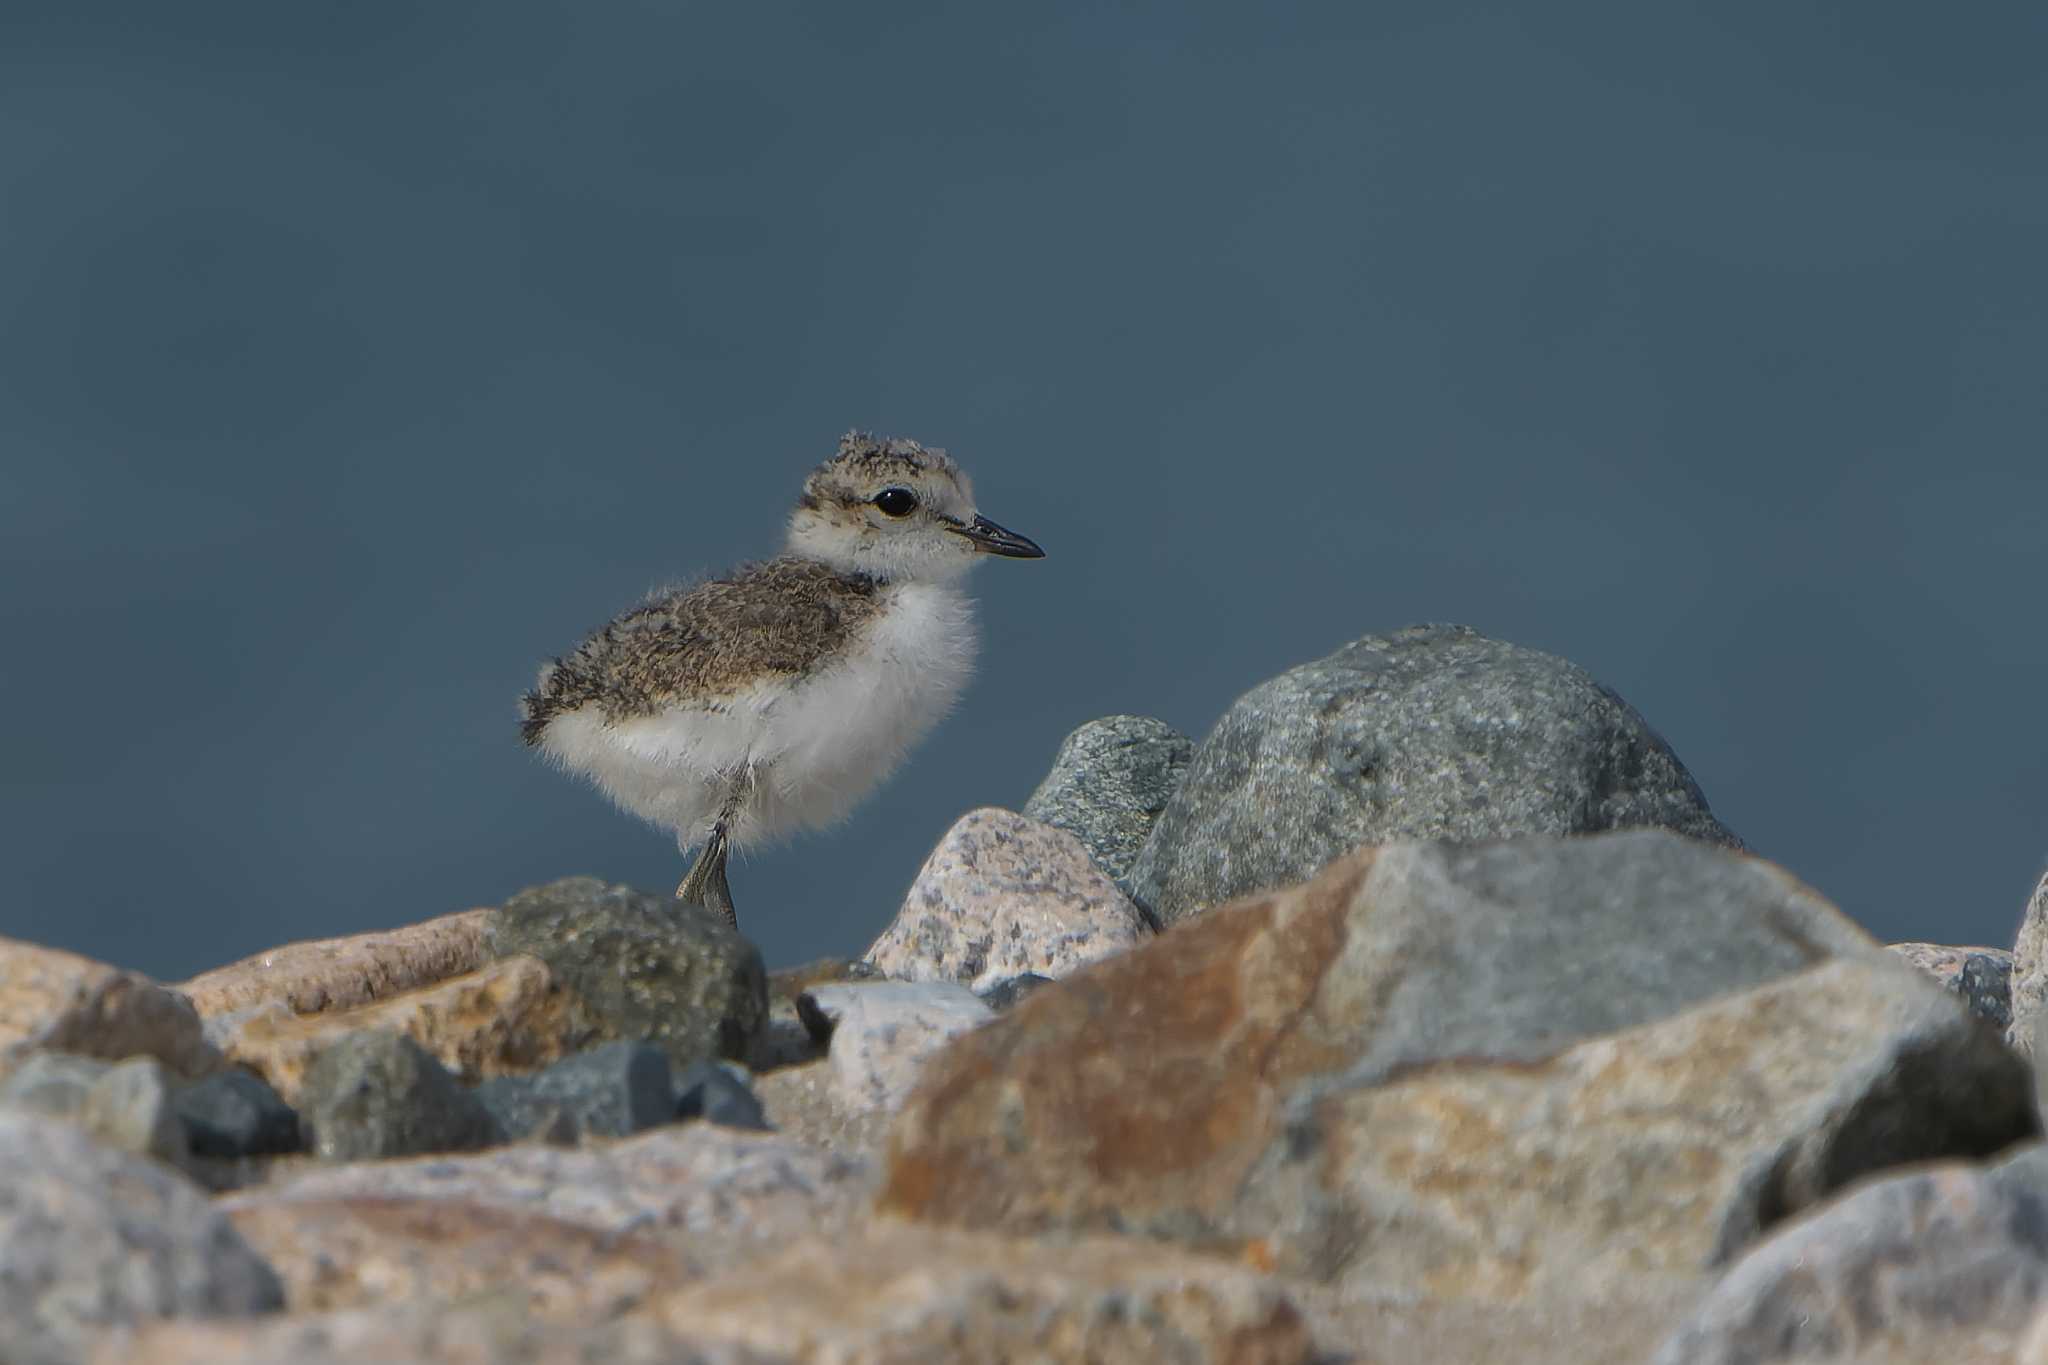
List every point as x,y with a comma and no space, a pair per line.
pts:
1422,1012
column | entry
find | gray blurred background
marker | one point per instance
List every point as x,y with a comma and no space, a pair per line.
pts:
354,358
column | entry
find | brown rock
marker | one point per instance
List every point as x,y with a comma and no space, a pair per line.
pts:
1002,895
507,1017
896,1294
1382,1072
338,973
60,1002
377,1251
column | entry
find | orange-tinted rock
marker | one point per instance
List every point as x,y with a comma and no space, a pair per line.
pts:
339,973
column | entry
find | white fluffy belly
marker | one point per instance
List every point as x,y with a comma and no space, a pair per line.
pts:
804,749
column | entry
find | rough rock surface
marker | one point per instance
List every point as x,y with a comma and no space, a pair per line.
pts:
506,1018
1002,895
1981,977
1924,1265
374,1095
1373,1055
1432,733
1108,783
883,1033
91,1237
642,965
124,1105
339,973
713,1092
610,1091
53,1001
2030,966
234,1113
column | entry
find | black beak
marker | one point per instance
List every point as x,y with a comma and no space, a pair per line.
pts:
991,539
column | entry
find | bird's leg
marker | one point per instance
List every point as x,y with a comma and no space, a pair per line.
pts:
704,884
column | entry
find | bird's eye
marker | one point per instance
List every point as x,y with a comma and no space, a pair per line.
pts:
896,502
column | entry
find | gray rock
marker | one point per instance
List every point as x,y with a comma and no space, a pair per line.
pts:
611,1091
376,1094
235,1113
1434,733
92,1238
1108,783
126,1105
1915,1266
1008,992
712,1091
2030,967
882,1034
1980,977
643,965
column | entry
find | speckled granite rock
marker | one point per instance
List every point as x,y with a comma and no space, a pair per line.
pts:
373,1095
1980,977
1431,733
2030,967
1923,1265
642,965
883,1033
1405,1080
53,1001
1108,783
1001,895
91,1237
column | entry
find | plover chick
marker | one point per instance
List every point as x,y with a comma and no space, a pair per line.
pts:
774,698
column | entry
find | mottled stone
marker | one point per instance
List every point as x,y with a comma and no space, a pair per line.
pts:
884,1032
497,1333
125,1105
1432,733
506,1018
91,1237
643,966
1486,1068
609,1091
373,1095
1000,895
1981,977
1012,991
53,1001
713,1092
1917,1266
1108,783
234,1113
2030,967
339,973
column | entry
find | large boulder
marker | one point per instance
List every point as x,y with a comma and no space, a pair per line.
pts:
1109,781
1431,733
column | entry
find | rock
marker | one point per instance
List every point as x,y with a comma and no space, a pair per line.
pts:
506,1018
883,1032
1001,895
642,965
233,1113
374,1095
1108,783
52,1001
1013,990
692,1185
340,973
1917,1266
124,1105
1432,733
1982,977
1488,1070
91,1237
373,1251
2030,966
902,1294
611,1091
712,1092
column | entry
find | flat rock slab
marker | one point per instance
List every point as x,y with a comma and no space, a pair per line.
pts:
340,973
1002,895
507,1017
91,1238
883,1033
54,1001
1108,783
1931,1265
1431,733
1341,1077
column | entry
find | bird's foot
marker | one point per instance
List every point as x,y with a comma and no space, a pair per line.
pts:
705,882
